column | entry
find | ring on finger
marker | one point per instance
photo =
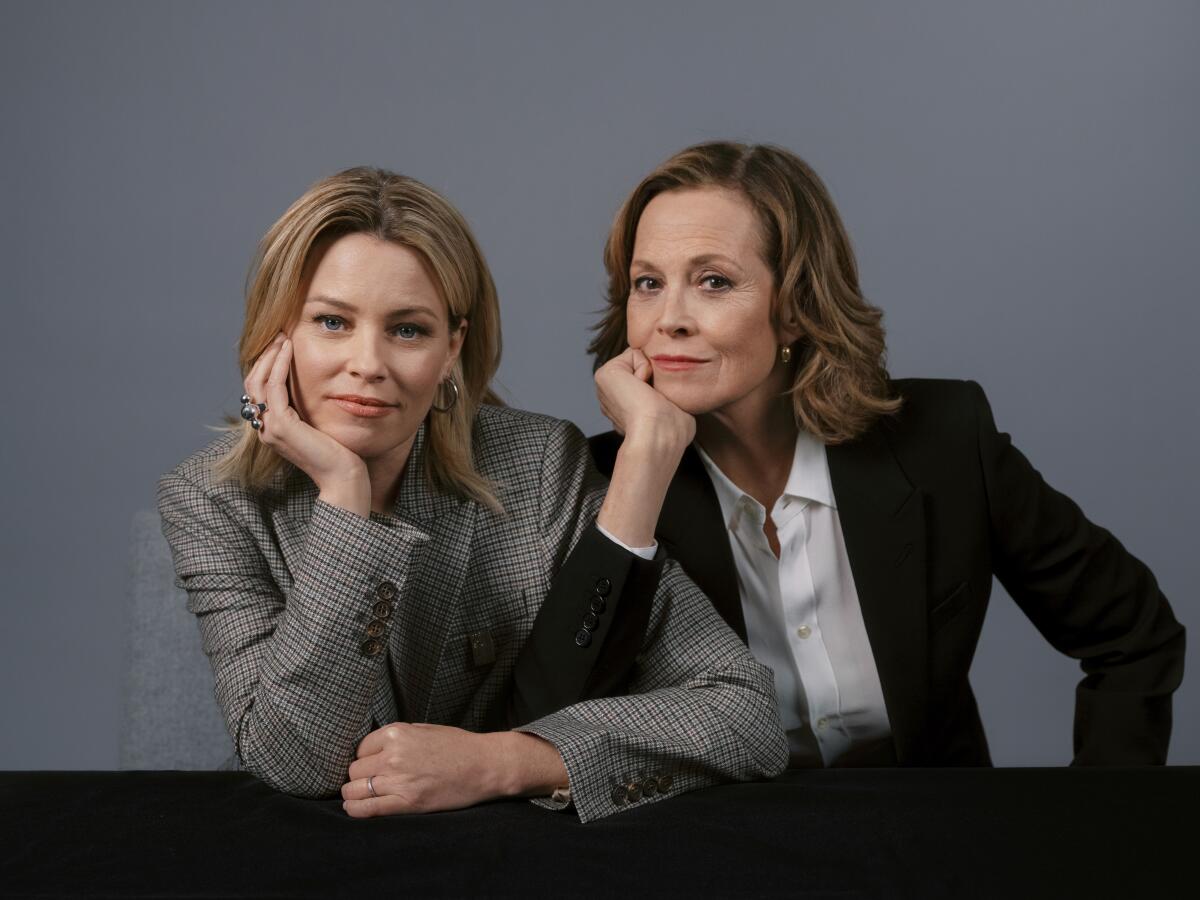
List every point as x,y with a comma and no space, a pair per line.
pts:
371,786
251,412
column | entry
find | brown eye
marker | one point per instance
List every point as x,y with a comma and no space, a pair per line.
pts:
646,283
716,282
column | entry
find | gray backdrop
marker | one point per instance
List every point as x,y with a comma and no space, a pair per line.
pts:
1019,180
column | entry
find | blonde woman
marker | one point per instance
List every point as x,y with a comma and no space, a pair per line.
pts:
846,525
367,553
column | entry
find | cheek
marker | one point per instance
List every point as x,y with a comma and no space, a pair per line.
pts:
747,348
638,326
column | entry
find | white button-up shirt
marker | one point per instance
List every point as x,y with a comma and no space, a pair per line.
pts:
803,618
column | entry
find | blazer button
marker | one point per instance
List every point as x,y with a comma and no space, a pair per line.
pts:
649,787
633,791
603,587
664,783
375,629
583,638
597,605
386,591
590,622
372,647
618,795
382,609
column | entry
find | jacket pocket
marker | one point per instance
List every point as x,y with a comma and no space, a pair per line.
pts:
948,608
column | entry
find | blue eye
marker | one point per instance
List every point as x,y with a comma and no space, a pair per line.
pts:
329,323
407,332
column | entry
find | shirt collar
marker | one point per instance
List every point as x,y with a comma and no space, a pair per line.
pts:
808,480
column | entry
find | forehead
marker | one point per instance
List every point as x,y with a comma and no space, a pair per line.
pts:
697,221
370,272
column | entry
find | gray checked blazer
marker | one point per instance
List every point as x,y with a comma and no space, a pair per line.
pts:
321,625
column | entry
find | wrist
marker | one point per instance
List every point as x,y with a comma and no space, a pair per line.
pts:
350,490
650,443
522,765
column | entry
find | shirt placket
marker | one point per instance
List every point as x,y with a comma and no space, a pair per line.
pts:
799,593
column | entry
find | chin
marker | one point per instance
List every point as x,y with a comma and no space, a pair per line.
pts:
366,442
693,401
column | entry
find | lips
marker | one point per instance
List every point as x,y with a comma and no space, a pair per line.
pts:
675,363
363,407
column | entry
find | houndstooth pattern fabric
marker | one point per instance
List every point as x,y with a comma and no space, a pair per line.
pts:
286,589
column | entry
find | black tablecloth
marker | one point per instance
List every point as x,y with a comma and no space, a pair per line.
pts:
827,833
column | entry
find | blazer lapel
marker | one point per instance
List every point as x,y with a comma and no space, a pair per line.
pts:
694,534
883,523
429,608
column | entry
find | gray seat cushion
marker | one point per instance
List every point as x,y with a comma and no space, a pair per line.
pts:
170,717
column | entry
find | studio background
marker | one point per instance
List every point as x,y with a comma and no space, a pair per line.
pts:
1018,179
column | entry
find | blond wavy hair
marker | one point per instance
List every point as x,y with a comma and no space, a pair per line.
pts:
392,207
841,385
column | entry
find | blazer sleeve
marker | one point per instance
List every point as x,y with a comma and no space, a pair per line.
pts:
699,710
1091,599
591,625
295,669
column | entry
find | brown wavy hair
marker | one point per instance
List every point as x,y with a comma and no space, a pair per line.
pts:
841,384
395,208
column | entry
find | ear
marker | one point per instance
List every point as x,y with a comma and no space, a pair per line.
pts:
788,329
457,336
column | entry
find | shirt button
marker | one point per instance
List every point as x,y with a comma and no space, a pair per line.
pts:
822,723
803,631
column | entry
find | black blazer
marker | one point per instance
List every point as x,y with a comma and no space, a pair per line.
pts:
933,502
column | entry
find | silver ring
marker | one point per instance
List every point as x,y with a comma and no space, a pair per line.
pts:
251,412
371,786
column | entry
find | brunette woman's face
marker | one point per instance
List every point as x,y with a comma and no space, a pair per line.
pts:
700,301
371,346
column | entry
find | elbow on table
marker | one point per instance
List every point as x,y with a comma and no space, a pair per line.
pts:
291,770
755,720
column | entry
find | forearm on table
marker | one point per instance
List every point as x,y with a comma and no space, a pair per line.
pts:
319,665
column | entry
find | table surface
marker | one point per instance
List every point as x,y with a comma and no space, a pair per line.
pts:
822,833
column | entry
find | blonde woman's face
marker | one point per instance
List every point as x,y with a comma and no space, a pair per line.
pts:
700,301
371,346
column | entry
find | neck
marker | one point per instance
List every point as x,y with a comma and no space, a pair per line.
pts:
753,443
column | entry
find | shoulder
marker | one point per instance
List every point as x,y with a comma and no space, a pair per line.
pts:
509,437
193,484
934,409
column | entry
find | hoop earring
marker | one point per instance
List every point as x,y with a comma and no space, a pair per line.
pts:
785,354
453,397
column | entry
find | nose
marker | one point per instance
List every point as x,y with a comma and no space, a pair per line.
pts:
675,319
366,359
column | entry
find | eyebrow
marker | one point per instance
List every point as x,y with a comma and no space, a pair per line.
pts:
702,259
350,307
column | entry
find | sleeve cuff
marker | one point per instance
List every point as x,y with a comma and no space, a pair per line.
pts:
643,552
